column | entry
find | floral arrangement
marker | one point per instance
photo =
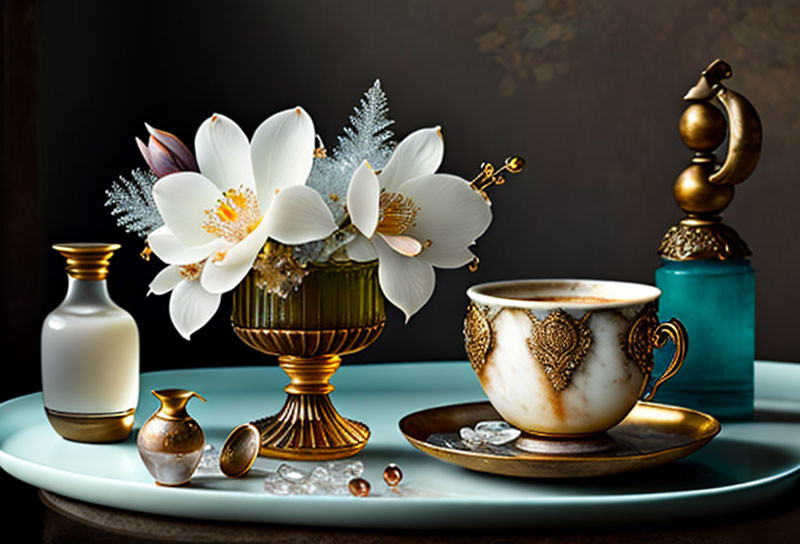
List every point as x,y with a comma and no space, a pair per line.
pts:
278,202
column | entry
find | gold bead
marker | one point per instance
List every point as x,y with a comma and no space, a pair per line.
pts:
515,164
702,127
392,475
695,194
358,487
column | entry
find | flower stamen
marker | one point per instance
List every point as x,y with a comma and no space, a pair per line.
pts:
397,213
146,252
226,213
236,215
191,272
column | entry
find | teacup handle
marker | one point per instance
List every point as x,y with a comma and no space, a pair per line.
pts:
675,331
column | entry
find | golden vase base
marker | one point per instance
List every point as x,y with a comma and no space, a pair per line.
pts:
308,427
92,428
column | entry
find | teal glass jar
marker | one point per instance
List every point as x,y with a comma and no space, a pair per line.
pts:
715,300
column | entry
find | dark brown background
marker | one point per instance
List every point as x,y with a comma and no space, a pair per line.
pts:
589,92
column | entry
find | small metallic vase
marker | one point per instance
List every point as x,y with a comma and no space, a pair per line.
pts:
171,442
337,310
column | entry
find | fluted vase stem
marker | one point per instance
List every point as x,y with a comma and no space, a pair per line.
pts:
337,310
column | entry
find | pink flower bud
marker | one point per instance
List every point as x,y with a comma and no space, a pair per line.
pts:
165,154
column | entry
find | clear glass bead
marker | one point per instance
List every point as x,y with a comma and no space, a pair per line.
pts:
291,474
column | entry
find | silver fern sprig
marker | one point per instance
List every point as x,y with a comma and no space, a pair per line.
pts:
131,202
367,138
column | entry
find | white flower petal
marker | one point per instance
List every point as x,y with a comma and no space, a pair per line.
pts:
419,154
447,257
363,199
166,280
223,275
298,215
360,249
404,245
182,199
223,153
191,307
171,250
407,282
451,215
282,152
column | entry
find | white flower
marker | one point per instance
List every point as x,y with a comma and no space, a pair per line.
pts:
413,219
190,306
245,193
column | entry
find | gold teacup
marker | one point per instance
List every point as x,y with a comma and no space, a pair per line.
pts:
566,358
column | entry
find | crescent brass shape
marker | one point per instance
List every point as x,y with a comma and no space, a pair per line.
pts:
744,144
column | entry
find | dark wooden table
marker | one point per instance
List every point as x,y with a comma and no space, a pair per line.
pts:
43,517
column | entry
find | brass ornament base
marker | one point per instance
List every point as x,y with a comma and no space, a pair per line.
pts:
697,238
308,427
92,428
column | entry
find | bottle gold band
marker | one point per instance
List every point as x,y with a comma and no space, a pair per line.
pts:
87,261
95,428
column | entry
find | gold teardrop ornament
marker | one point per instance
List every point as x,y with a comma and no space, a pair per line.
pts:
560,343
477,336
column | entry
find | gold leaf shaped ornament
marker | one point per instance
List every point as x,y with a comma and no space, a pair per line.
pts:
477,336
638,343
560,343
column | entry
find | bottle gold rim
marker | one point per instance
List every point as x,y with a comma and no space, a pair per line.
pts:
87,260
86,247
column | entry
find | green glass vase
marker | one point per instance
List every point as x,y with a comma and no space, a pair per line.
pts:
337,310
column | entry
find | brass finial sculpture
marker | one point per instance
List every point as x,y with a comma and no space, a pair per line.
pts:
705,187
705,277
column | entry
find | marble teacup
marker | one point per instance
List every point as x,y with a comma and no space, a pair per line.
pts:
567,358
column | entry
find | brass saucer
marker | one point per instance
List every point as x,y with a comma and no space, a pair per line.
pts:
652,434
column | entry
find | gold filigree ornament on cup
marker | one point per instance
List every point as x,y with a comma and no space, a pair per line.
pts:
567,358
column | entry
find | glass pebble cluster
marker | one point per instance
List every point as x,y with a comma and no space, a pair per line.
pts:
209,461
495,433
330,478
